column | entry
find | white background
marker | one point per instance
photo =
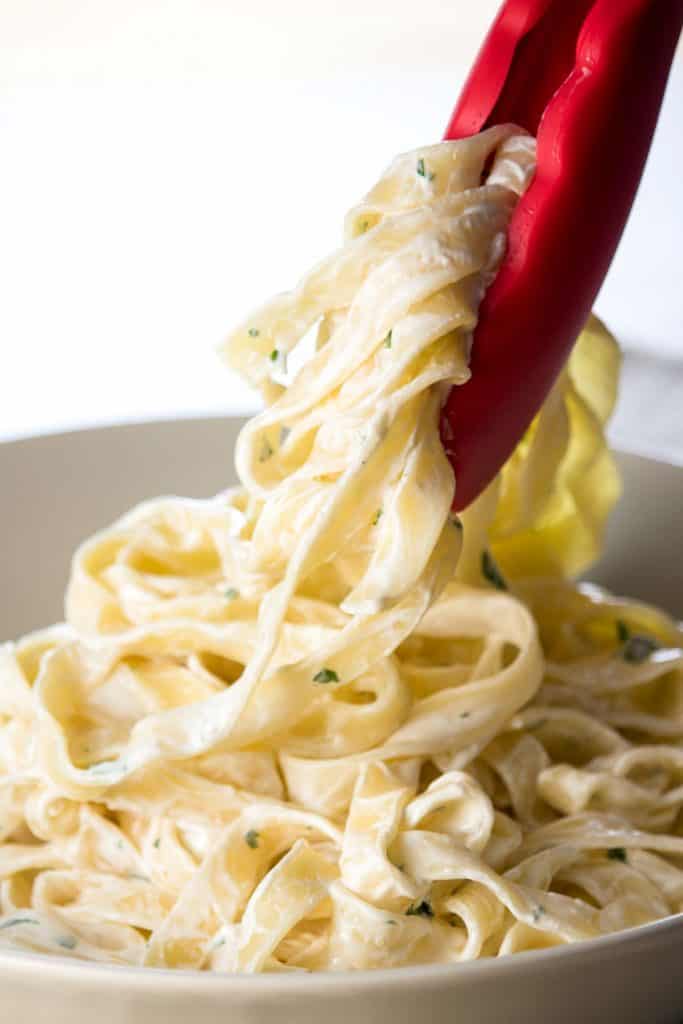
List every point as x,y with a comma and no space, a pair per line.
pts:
167,163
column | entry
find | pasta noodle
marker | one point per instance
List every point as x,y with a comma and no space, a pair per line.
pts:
319,722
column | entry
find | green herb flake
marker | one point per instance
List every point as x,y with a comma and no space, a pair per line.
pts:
538,913
119,844
377,517
231,594
638,648
274,355
423,909
465,714
251,838
67,941
266,450
623,632
422,170
491,572
254,332
456,521
617,853
363,226
387,340
156,844
326,675
14,921
391,922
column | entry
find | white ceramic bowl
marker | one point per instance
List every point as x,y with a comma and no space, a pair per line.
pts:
56,491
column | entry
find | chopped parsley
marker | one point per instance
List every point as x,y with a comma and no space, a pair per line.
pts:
465,714
266,450
387,340
423,909
326,675
456,521
377,517
363,226
623,632
251,838
231,593
618,853
491,572
538,913
274,355
67,941
254,332
638,648
391,922
422,170
156,844
13,921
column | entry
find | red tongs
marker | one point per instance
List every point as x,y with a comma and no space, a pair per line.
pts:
586,77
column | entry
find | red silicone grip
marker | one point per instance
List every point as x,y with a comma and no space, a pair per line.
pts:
588,79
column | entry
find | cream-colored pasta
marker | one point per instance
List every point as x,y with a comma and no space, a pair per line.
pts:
307,724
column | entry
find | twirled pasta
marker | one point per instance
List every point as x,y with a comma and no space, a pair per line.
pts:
306,724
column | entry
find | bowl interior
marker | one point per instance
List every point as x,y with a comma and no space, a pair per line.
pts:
59,489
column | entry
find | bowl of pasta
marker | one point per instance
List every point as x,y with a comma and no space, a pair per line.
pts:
90,477
314,745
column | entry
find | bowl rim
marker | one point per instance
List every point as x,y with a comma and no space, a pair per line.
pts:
215,416
601,948
72,969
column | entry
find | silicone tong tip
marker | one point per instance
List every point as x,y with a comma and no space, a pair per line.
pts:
586,77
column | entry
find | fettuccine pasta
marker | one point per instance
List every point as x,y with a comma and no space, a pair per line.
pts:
319,722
